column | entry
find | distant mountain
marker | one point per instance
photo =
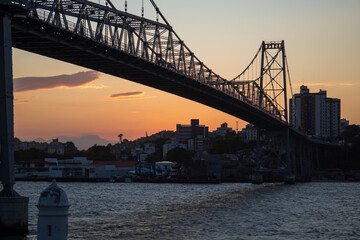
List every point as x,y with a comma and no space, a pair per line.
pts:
84,142
87,141
41,140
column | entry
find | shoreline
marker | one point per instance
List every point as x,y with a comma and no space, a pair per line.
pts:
171,180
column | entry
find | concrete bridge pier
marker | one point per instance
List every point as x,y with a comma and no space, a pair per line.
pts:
13,207
309,162
316,160
297,159
257,177
304,161
293,157
289,177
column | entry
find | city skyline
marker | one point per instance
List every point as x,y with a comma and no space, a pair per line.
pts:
103,105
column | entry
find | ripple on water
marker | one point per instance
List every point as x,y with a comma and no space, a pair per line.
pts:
223,211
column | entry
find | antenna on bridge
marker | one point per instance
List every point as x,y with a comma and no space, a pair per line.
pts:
159,13
142,9
125,5
110,3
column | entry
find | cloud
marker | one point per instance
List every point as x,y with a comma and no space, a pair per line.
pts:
128,95
27,84
93,85
23,100
20,100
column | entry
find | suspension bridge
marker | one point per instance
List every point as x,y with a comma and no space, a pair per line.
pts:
111,40
150,52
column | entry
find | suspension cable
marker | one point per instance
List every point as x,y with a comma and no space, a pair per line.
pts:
288,72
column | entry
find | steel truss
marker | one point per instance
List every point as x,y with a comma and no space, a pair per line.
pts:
156,42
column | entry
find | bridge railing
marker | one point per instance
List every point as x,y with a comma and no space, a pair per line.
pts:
15,3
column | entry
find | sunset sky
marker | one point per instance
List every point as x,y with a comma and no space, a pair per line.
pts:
322,41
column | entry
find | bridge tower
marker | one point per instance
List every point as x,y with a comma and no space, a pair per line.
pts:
273,76
272,80
13,207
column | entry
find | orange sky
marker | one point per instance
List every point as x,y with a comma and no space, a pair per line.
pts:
322,45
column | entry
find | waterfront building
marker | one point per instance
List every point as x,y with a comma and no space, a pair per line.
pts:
52,167
78,167
165,168
109,169
315,114
31,168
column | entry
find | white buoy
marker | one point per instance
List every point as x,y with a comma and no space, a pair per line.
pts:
53,208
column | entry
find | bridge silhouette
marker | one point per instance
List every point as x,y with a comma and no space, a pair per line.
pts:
149,52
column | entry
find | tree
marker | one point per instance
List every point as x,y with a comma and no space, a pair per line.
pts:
350,133
230,143
100,153
70,148
29,154
157,156
180,156
154,157
120,137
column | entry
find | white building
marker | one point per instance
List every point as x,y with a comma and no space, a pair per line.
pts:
165,168
78,167
109,169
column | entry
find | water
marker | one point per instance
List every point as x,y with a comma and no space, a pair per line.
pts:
196,211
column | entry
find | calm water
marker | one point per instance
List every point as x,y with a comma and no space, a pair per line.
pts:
224,211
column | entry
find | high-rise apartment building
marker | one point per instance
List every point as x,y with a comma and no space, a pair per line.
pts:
315,114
